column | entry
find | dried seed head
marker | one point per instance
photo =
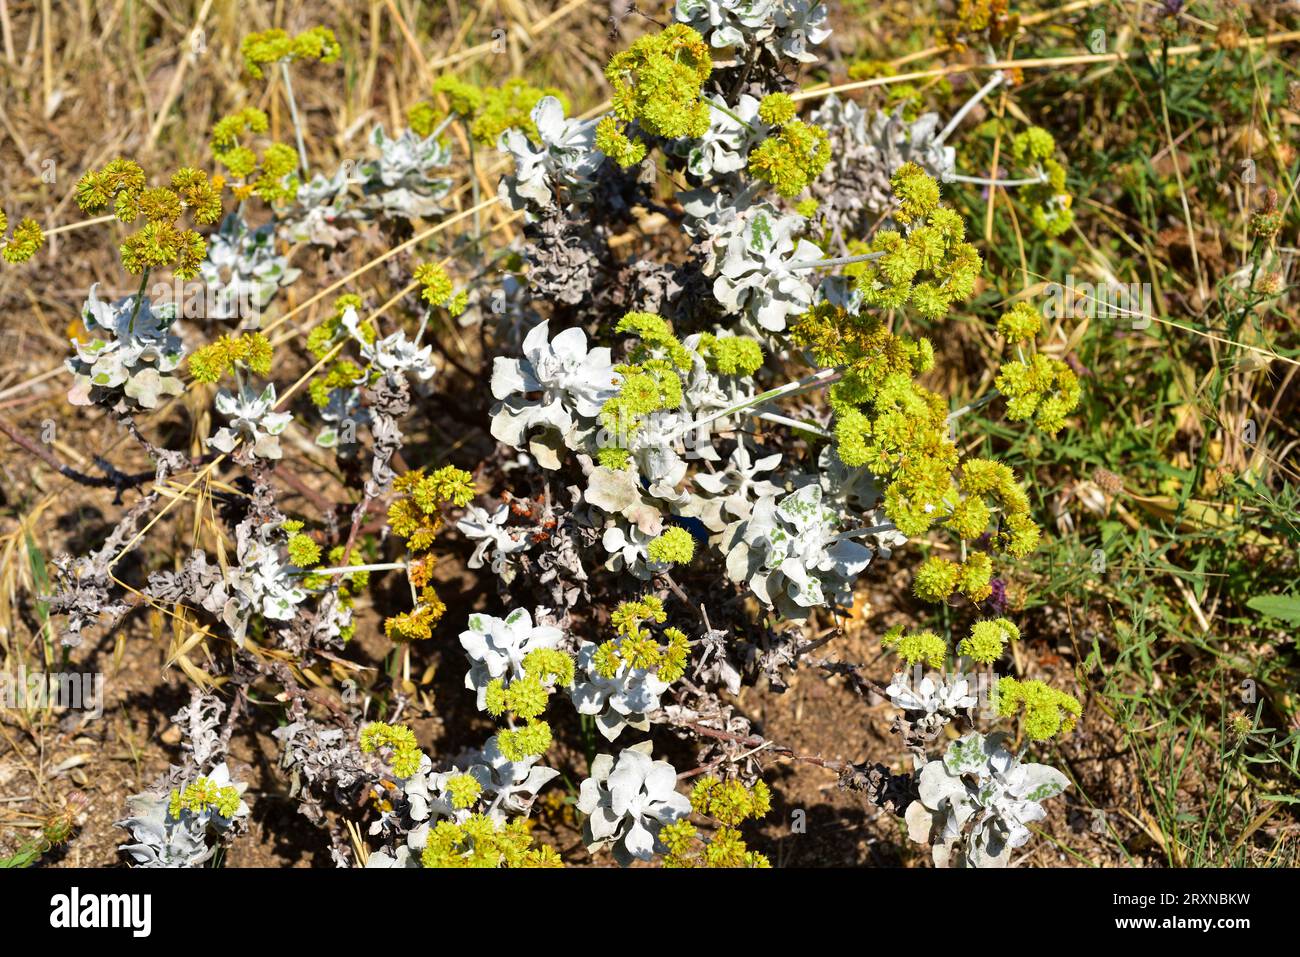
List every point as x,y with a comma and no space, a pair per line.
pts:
1267,219
1108,481
1269,284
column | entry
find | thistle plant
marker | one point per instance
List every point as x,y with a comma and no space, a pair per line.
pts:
755,263
406,180
556,162
243,268
780,28
792,554
558,387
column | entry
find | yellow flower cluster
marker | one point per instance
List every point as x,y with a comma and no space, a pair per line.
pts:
675,546
987,640
1020,323
404,750
201,795
160,242
929,265
527,698
1036,386
479,841
730,803
417,517
636,646
271,175
274,46
652,380
937,578
731,355
436,288
657,83
921,646
488,111
346,586
418,623
252,350
1047,710
791,159
27,238
1049,202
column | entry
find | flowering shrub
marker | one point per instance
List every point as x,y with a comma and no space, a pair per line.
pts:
694,453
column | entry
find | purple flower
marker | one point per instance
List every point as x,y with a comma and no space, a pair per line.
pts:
996,603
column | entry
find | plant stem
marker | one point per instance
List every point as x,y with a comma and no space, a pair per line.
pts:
69,227
837,261
726,112
1236,320
588,725
815,380
441,127
979,403
424,324
139,298
474,187
293,115
969,105
794,423
864,531
349,569
985,181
